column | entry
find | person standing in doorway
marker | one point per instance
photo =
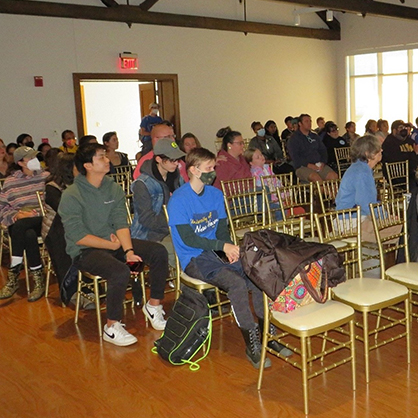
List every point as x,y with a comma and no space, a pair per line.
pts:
147,124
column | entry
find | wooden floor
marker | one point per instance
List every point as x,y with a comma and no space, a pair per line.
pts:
51,368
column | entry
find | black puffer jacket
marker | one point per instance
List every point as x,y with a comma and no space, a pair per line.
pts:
271,260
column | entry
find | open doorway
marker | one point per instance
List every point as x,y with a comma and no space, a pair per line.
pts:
118,102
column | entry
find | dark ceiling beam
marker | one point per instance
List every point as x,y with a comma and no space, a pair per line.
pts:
334,24
136,15
364,7
147,4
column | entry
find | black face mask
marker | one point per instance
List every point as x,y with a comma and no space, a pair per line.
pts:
403,133
30,144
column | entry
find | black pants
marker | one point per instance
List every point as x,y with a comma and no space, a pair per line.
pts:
232,279
111,265
24,235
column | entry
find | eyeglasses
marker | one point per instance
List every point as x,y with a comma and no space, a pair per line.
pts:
310,140
239,142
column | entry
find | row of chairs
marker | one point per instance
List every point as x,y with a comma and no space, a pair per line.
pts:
382,303
396,174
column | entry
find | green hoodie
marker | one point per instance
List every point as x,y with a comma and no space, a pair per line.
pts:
86,209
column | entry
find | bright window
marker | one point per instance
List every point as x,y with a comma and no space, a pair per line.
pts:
381,86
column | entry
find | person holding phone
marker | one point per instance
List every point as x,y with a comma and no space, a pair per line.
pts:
203,244
98,239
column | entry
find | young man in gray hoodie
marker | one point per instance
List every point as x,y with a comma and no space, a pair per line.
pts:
98,240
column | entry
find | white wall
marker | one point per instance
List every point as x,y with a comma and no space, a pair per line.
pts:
225,78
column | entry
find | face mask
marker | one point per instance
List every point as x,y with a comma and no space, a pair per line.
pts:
154,111
207,178
33,165
261,132
30,144
403,133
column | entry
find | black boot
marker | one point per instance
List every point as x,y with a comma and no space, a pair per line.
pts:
274,345
253,350
11,286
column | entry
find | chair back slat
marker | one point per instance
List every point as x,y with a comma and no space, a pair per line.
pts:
398,178
327,192
391,228
343,158
343,226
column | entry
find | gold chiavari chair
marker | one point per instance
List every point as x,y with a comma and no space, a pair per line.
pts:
244,210
201,286
123,177
172,274
371,297
270,185
292,199
237,186
44,253
94,289
339,228
343,158
327,192
391,229
218,144
310,323
398,178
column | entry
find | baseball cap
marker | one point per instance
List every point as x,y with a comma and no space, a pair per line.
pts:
24,152
169,148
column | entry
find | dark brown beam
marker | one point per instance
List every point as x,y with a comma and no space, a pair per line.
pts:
147,4
136,15
372,8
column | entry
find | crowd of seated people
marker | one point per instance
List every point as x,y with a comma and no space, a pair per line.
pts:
87,213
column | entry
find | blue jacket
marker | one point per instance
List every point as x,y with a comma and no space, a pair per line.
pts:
149,196
357,188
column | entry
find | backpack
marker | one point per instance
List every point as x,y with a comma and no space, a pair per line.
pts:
188,329
271,260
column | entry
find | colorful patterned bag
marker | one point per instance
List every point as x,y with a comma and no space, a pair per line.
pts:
303,289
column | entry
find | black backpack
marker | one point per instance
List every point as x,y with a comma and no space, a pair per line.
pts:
188,329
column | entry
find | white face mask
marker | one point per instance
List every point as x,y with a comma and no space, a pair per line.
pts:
154,111
33,164
261,132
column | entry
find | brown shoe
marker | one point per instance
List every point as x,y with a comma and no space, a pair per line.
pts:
11,287
39,289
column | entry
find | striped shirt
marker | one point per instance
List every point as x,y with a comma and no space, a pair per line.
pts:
19,192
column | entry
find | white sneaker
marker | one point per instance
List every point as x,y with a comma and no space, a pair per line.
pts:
117,334
155,314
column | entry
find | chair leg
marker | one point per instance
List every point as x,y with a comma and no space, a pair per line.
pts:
48,276
304,365
265,331
353,353
144,295
25,265
408,329
77,302
366,345
97,302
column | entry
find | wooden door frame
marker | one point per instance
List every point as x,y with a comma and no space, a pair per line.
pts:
79,77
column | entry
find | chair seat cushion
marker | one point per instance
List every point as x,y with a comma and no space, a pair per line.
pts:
406,273
369,292
193,282
314,316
